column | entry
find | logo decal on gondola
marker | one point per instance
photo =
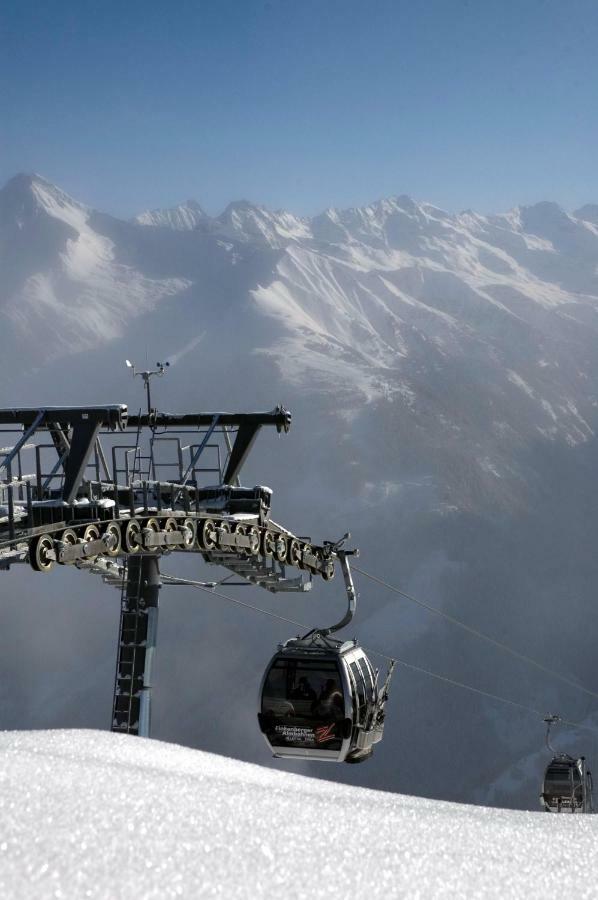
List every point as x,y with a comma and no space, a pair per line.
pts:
294,732
324,733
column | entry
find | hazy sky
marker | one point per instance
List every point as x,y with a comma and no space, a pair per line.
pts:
302,103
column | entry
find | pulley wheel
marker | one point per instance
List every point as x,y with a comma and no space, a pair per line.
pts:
189,533
268,543
91,533
207,536
294,552
69,537
280,548
240,530
306,548
38,553
223,528
133,539
253,534
112,529
154,526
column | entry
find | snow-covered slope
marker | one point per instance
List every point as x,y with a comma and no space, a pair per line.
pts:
63,288
85,814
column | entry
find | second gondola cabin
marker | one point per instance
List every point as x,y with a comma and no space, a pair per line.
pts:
567,785
320,700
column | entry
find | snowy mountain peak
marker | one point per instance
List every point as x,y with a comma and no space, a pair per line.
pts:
546,210
26,196
247,222
184,217
242,206
26,183
379,225
404,201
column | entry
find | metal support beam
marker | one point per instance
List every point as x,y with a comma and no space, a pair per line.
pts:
113,416
150,577
82,443
136,647
244,441
59,438
229,447
102,460
199,451
22,441
279,417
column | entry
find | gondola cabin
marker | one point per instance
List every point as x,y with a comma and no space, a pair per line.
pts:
320,700
567,785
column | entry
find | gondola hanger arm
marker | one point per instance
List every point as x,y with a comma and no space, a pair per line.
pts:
550,720
342,556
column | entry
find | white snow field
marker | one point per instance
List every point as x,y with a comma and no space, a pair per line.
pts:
91,814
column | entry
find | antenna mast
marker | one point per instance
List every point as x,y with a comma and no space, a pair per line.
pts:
147,374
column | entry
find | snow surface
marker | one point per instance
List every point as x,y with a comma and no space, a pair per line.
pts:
92,814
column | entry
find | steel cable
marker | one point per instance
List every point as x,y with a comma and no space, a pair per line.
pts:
172,579
479,634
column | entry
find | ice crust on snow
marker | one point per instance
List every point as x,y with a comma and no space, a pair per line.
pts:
91,814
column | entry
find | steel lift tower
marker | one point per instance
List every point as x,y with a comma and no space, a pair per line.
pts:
95,488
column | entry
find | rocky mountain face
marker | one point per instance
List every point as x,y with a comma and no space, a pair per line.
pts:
180,218
443,372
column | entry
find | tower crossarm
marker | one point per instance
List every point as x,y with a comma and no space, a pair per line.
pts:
171,484
279,417
112,416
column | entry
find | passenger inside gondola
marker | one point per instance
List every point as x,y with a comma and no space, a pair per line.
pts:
330,702
304,690
302,704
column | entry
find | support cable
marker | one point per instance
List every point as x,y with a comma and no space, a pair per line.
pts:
186,582
202,586
479,634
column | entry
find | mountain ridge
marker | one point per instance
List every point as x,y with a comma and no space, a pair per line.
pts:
404,201
374,302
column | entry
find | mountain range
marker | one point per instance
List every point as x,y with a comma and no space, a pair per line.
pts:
484,325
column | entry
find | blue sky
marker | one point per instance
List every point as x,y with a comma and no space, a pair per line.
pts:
302,104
